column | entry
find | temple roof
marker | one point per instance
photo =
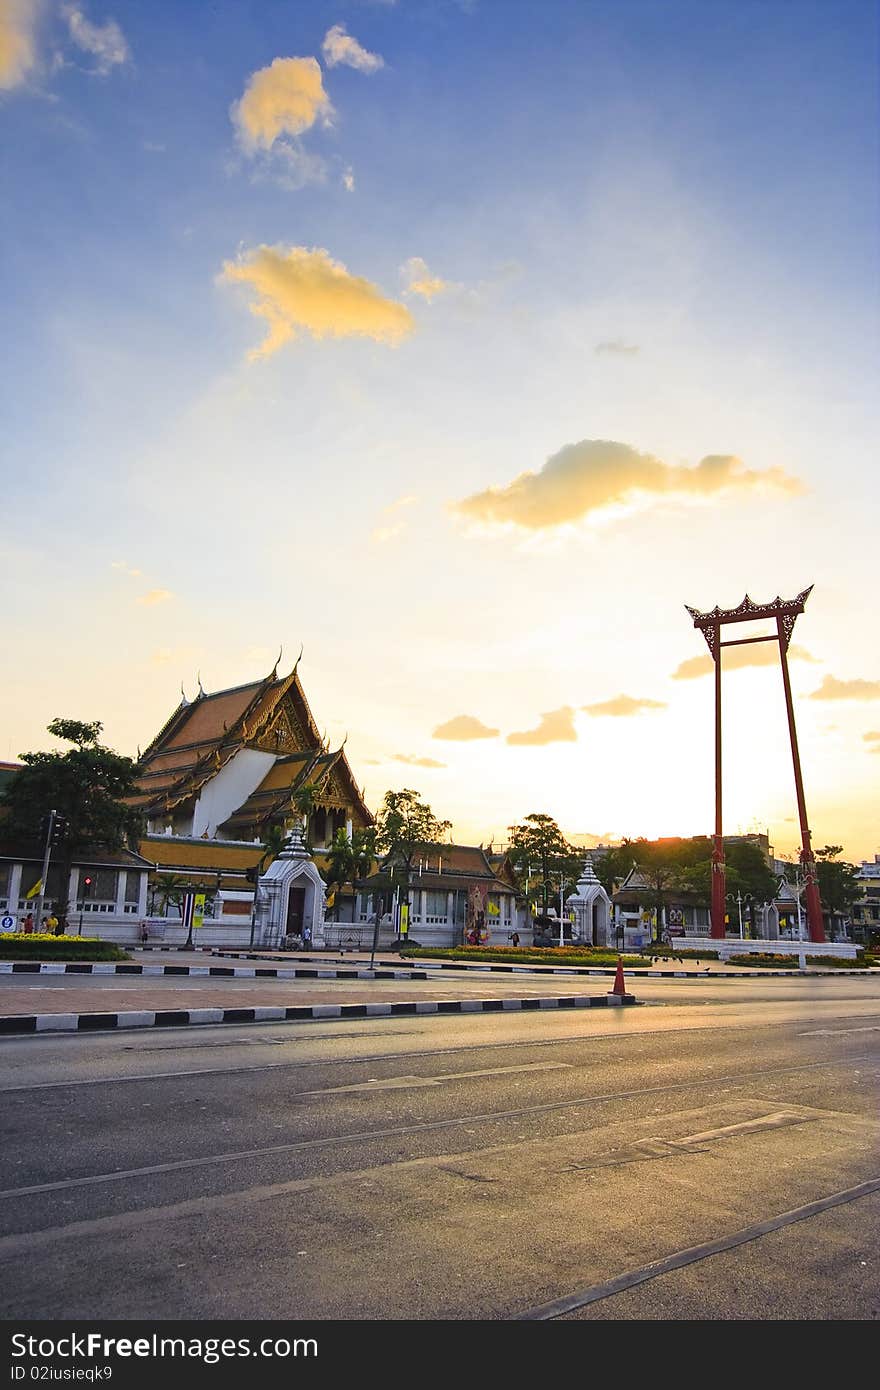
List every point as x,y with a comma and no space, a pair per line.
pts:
202,735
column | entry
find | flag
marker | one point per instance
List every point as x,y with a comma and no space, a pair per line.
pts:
493,909
198,910
37,889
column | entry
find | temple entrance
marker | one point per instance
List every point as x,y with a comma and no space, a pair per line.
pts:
296,902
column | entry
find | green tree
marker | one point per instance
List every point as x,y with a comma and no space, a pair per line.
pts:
350,859
839,887
87,784
541,857
614,865
273,841
404,826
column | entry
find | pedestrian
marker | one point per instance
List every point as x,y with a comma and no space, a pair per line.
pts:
28,924
307,938
144,932
514,940
51,923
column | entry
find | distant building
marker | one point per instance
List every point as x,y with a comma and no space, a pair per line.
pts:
866,912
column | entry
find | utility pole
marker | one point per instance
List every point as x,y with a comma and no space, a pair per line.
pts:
47,855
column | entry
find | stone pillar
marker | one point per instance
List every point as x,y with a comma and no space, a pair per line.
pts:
119,907
15,889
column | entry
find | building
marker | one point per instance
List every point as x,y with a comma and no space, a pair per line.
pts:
866,912
106,891
455,894
223,771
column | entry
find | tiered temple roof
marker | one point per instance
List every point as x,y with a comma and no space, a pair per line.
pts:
271,716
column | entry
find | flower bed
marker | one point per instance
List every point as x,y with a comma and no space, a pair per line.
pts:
542,955
790,962
43,946
670,953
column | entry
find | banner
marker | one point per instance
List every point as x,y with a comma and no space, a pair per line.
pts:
199,910
404,919
36,890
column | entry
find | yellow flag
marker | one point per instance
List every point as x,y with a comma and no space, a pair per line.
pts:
199,909
36,890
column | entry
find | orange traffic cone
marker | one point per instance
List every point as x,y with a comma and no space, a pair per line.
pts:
619,983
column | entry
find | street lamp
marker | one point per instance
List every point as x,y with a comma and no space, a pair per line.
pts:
739,900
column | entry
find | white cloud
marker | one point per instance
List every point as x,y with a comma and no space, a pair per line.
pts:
616,348
417,279
735,658
463,728
555,727
17,47
414,761
285,98
105,42
300,290
596,474
149,600
622,706
340,47
126,568
348,179
833,689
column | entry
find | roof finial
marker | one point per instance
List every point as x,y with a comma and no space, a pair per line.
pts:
199,682
274,674
183,699
298,659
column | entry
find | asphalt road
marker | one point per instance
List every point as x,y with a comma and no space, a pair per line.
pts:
458,1167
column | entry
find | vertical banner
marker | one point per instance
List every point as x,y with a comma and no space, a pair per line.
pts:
404,919
186,909
198,909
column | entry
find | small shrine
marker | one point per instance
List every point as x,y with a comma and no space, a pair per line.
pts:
290,896
590,906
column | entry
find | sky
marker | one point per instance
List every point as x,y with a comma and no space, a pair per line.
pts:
460,343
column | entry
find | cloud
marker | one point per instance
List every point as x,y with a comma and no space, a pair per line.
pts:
555,727
17,48
416,762
126,569
105,42
417,279
348,179
617,348
154,596
873,738
286,98
464,727
735,658
297,290
394,528
339,47
622,706
597,473
383,534
833,689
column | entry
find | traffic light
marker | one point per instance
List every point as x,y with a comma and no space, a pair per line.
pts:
59,830
87,885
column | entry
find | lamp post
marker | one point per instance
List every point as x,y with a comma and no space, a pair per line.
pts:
737,898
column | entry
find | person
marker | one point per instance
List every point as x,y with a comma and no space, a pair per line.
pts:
514,940
144,932
307,938
28,925
51,923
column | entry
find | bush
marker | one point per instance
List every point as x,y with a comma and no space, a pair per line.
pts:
44,946
525,955
670,953
790,962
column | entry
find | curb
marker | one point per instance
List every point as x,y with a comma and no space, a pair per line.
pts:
639,972
179,1018
313,972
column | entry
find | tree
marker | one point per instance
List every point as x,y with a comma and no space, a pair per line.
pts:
614,865
274,839
350,859
541,857
406,825
839,886
87,784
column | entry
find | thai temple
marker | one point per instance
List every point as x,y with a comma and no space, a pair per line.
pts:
222,771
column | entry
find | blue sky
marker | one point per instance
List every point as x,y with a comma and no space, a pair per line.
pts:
649,224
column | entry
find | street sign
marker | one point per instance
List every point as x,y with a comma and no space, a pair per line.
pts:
7,923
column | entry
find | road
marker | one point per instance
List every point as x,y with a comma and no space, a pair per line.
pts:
495,1166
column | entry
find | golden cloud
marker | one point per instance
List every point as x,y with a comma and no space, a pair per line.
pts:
416,762
417,279
286,98
17,50
155,596
622,706
735,658
597,473
873,736
555,727
833,689
298,290
341,47
464,727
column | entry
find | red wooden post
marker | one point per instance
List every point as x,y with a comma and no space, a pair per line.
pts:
718,874
811,888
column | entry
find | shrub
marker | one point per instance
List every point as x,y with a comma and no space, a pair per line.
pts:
526,955
44,946
670,953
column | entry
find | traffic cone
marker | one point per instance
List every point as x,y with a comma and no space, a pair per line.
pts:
619,983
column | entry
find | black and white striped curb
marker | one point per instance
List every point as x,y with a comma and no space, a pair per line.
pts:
181,1018
640,971
240,972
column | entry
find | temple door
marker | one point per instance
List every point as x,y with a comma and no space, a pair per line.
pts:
296,901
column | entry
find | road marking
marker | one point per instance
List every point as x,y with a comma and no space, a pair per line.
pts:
545,1311
397,1083
834,1032
360,1137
